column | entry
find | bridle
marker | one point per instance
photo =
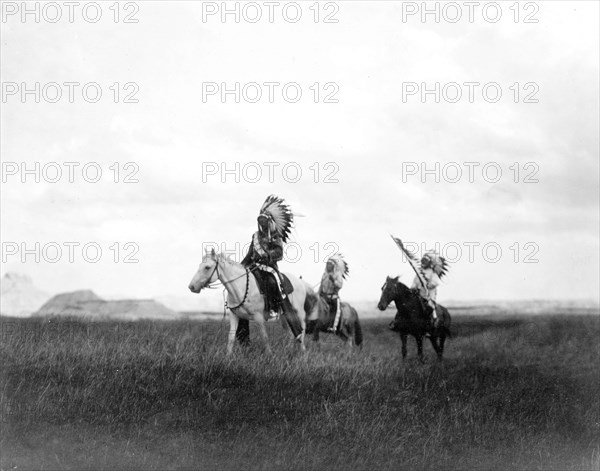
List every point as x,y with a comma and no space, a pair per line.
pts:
394,291
398,294
246,274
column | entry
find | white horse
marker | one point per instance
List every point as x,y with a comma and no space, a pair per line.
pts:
243,296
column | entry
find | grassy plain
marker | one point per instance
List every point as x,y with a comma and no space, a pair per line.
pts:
513,392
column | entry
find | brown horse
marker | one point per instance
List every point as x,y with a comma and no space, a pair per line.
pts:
411,318
319,319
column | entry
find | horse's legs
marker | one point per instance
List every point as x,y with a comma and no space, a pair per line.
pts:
442,341
403,338
419,339
242,333
345,334
317,329
285,327
434,343
233,325
301,340
263,332
292,307
350,336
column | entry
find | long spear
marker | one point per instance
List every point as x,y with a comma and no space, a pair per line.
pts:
411,259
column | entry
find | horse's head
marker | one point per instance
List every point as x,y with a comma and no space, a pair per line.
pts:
388,292
393,290
207,272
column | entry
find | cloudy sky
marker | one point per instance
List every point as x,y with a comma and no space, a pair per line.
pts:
360,133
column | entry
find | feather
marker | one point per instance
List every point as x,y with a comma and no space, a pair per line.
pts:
279,214
340,264
412,260
438,263
407,252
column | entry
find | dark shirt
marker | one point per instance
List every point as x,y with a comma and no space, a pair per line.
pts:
264,250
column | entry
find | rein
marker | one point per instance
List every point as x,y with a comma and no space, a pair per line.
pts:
246,292
398,296
246,274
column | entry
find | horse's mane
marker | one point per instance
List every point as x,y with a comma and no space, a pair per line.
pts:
405,289
221,257
405,293
403,286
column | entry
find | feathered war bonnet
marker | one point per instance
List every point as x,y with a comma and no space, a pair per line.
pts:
278,216
438,263
341,266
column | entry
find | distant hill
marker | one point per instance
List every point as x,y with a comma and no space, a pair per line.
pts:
528,306
207,301
68,304
19,297
211,301
88,305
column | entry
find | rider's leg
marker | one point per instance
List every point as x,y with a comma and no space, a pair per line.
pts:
331,307
433,313
292,317
273,296
283,301
338,313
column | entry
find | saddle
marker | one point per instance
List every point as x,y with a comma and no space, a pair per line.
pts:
427,309
329,306
271,287
262,277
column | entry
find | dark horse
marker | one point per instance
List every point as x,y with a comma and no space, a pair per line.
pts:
412,319
320,319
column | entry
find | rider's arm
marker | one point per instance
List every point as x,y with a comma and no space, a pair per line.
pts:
324,282
249,258
337,280
275,250
432,279
416,284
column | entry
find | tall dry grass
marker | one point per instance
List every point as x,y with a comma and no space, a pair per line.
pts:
512,393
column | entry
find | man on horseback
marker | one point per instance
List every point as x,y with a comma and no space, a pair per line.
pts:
428,276
332,281
428,281
266,249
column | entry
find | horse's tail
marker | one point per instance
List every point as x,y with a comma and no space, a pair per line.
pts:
447,321
358,336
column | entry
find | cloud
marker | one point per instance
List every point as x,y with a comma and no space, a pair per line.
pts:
367,139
